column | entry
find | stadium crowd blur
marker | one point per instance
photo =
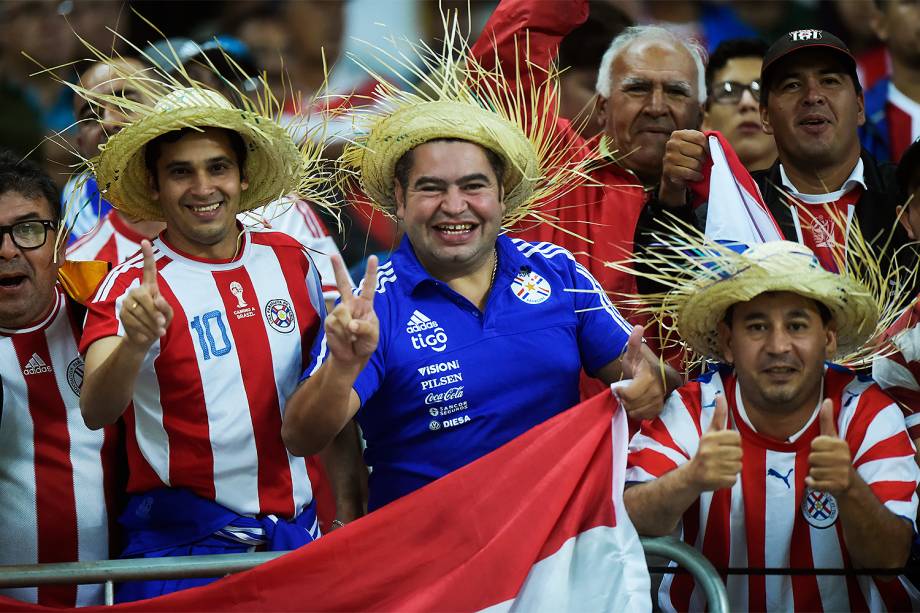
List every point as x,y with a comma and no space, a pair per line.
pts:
302,47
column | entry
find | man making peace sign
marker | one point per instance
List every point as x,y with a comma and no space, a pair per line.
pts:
199,339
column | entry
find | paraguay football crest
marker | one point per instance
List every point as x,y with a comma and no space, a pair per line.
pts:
530,287
280,315
819,508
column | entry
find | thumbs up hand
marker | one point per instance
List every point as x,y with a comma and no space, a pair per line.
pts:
717,462
144,313
830,465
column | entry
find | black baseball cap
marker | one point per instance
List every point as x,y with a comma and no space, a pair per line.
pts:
805,39
909,166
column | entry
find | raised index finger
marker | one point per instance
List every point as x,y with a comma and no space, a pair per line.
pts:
342,280
150,266
369,284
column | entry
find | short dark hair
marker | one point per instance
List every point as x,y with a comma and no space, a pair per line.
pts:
152,150
404,163
28,179
730,49
823,311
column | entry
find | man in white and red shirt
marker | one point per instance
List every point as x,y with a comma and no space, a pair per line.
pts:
899,372
893,103
56,475
777,460
199,339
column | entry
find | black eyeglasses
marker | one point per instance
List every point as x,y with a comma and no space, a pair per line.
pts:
730,92
30,234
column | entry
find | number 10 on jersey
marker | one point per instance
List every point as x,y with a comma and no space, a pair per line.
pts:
204,326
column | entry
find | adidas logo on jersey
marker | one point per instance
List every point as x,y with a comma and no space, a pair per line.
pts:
419,322
36,366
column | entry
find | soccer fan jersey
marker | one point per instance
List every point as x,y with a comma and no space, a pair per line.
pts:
818,217
295,217
449,383
899,373
110,241
769,518
903,116
209,399
54,471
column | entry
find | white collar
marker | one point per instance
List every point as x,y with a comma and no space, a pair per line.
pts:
739,404
856,178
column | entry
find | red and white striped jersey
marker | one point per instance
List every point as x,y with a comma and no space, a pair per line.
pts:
110,241
295,217
769,518
903,114
899,373
54,471
210,395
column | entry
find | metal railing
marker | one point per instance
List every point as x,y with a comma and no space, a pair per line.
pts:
109,572
706,575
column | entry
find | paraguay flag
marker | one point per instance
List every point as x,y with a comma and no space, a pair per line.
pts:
736,212
536,525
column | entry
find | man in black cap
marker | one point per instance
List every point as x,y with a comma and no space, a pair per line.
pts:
812,103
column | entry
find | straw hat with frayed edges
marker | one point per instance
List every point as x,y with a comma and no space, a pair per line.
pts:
779,266
415,125
452,96
274,164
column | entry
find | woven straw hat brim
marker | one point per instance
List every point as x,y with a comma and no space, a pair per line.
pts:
273,161
852,307
390,138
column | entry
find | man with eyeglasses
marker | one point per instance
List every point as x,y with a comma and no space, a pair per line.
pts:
823,181
732,104
55,474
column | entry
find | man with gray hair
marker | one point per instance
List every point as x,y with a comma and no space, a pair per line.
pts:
650,83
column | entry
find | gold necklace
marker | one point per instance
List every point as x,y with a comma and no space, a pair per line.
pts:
494,268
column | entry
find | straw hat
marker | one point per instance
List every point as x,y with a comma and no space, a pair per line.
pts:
778,266
273,164
411,126
447,94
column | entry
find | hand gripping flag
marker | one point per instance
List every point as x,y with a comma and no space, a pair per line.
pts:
536,525
736,213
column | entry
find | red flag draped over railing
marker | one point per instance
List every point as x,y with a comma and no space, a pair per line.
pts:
537,524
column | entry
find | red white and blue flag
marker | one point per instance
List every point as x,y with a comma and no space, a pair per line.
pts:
537,525
736,213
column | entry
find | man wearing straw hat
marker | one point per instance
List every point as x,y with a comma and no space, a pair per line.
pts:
777,459
198,340
468,337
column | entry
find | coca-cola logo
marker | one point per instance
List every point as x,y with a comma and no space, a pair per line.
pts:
454,393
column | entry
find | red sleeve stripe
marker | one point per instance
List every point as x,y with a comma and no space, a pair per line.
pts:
894,490
651,461
895,446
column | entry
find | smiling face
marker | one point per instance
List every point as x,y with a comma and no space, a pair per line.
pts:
778,343
199,186
813,111
740,121
451,207
653,92
27,276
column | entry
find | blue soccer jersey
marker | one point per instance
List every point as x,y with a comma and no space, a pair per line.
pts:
449,383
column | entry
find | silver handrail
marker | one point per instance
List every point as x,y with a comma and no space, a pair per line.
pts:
696,564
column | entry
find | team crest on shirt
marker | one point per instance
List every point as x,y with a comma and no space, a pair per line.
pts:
280,315
531,288
819,508
75,375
